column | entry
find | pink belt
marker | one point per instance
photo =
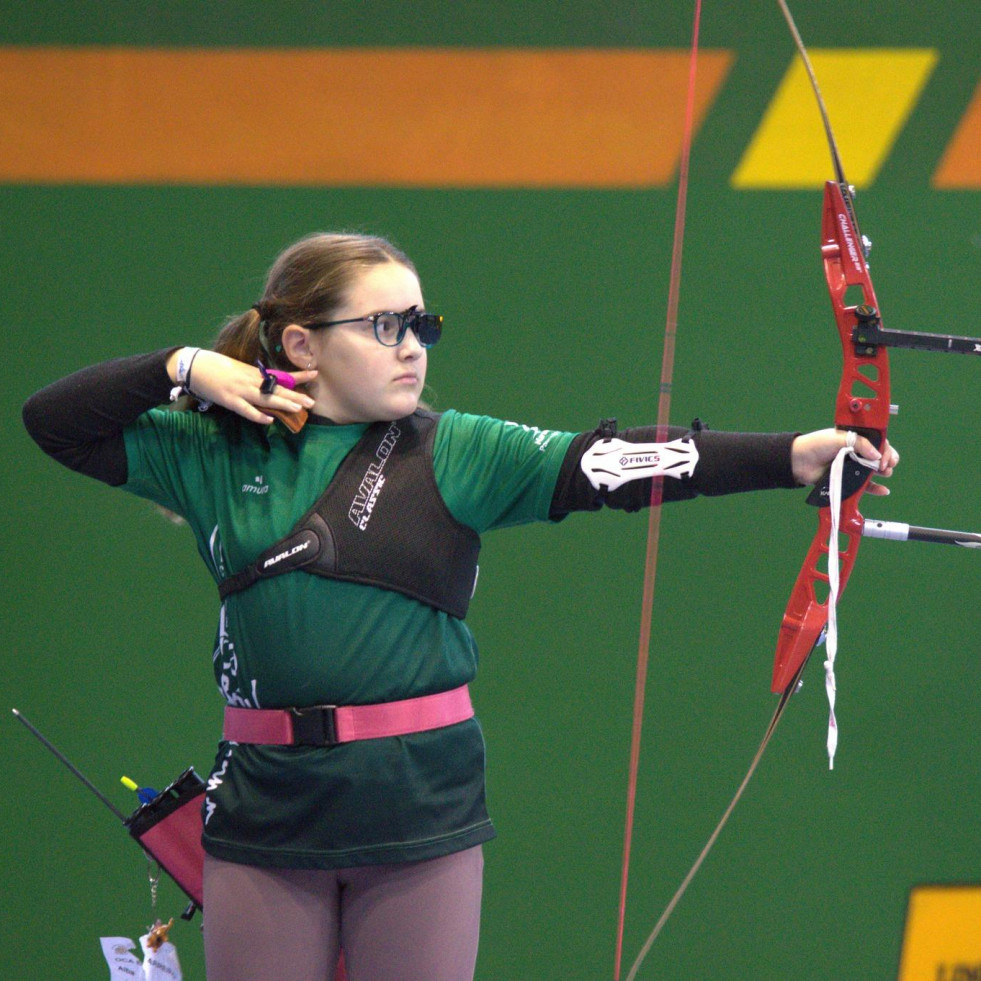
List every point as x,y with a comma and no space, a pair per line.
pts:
327,725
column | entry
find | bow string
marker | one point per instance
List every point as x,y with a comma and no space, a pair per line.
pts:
657,485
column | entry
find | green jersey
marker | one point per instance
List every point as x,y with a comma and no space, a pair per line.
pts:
300,639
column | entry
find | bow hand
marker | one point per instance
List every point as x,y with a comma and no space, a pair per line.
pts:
811,456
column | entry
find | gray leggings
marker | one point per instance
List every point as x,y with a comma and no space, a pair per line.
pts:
417,921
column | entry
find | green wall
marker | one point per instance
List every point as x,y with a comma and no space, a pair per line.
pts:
554,302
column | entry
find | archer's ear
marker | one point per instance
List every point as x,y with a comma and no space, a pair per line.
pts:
296,345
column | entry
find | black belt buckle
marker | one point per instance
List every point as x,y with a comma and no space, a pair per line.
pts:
314,726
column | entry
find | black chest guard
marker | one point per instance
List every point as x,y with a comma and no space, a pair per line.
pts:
381,521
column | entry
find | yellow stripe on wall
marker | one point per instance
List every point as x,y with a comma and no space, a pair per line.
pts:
396,117
960,167
941,939
868,93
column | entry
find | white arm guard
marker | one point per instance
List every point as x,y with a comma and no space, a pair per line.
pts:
612,462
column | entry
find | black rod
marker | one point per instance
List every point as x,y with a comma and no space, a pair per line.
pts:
869,334
78,773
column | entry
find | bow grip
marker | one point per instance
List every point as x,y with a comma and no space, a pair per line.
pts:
853,476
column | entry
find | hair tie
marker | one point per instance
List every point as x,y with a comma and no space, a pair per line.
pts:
264,334
258,309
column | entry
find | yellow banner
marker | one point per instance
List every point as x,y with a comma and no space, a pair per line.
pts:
869,94
942,941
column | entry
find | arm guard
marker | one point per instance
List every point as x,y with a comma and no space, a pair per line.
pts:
612,462
606,468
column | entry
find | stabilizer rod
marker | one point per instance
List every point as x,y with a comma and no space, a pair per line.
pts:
897,532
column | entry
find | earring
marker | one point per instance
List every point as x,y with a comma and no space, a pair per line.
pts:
310,364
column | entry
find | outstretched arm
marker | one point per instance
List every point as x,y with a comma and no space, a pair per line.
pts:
722,463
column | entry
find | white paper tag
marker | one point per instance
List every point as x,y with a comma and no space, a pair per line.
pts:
157,965
124,965
160,964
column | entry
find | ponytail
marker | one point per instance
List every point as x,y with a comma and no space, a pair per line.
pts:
244,338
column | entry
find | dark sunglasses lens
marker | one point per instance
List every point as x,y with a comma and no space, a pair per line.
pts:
428,328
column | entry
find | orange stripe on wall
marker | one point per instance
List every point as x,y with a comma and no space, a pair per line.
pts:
402,117
960,167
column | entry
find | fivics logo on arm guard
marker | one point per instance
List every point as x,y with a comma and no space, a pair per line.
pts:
610,463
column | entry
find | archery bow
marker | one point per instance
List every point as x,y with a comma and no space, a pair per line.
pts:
862,406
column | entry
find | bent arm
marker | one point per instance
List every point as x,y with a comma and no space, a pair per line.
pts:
79,420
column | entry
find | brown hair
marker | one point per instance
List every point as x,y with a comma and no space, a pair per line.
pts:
308,281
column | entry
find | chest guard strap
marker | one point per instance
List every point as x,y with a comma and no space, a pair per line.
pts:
382,522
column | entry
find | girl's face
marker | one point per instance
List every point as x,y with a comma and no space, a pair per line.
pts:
360,380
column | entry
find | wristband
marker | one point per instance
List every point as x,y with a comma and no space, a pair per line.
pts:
185,362
185,359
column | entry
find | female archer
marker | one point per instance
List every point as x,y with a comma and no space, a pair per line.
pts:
341,521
